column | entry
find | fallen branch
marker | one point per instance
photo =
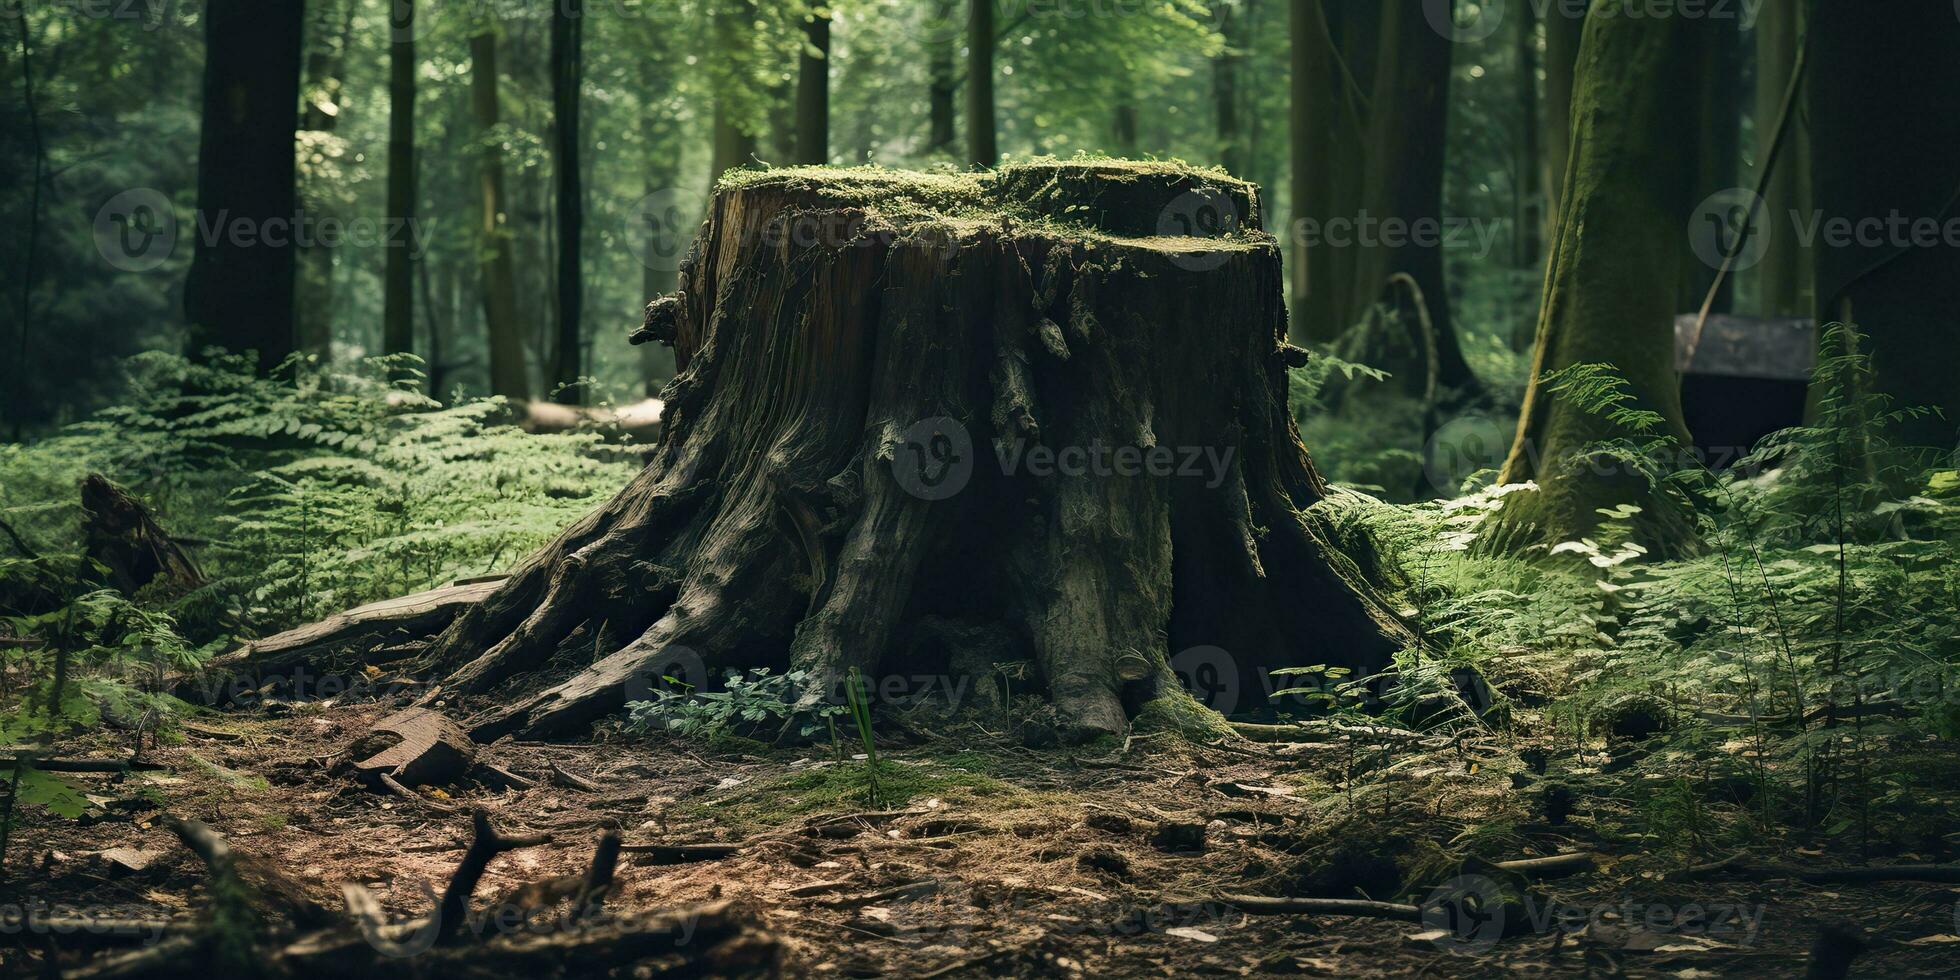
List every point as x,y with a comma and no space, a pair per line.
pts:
574,780
679,853
1359,908
485,845
1735,865
1555,866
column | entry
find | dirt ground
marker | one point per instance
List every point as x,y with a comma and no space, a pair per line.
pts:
1002,860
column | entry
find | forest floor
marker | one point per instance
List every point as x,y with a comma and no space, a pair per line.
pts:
986,857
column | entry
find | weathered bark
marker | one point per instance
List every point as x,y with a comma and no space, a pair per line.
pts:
1611,283
398,276
824,317
982,145
508,375
567,72
1334,53
121,537
813,92
1873,139
239,294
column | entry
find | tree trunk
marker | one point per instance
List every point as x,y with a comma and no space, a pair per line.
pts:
1226,70
398,306
1562,35
1783,274
982,147
1408,125
1718,144
1530,218
1610,289
862,439
325,97
1334,55
567,71
1870,89
509,377
943,76
239,294
813,92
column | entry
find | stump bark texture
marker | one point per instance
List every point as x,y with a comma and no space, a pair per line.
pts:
1046,404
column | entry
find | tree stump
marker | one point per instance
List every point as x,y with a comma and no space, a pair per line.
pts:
1047,402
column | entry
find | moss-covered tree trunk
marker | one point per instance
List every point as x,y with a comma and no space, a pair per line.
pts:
1610,285
913,399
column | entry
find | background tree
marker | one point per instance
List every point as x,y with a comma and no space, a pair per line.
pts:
1610,288
508,375
240,291
398,306
813,89
982,144
567,72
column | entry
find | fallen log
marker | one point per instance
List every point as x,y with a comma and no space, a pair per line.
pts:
1359,908
318,646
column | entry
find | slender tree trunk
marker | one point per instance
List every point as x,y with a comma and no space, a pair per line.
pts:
1718,143
1123,129
326,97
567,71
941,109
1562,33
508,375
398,306
1226,87
1882,154
813,92
1408,127
982,148
1528,234
239,294
1316,309
1783,274
734,138
18,389
1610,287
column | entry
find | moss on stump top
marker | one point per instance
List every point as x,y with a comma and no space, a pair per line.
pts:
1134,201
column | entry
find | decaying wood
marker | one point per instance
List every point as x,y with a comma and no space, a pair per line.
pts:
1739,867
485,845
1554,866
648,854
778,512
637,422
119,534
574,780
428,749
1261,905
320,646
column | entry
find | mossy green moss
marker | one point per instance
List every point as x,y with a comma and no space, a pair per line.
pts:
1093,198
963,780
1177,711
